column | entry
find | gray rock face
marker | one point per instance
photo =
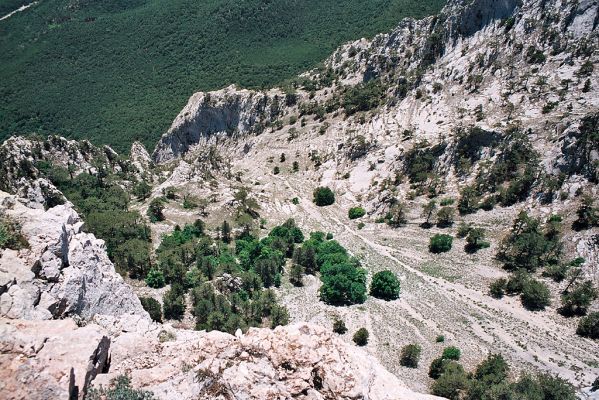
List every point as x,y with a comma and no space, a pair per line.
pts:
210,117
300,361
64,272
50,359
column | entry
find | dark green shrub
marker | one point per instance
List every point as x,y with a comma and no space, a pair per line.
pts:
589,326
339,327
497,288
440,243
578,300
342,284
476,240
595,385
356,212
173,304
452,382
527,246
410,355
152,306
155,279
588,214
361,337
451,353
276,170
385,285
324,196
156,210
440,339
535,295
142,190
436,368
516,282
445,217
363,97
295,201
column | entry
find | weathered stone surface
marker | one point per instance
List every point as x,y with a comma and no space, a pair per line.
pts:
301,361
64,272
50,359
208,117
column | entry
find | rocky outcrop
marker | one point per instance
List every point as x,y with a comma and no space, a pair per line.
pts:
210,117
50,359
25,163
64,272
301,361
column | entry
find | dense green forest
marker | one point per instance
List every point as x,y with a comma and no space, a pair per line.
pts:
114,71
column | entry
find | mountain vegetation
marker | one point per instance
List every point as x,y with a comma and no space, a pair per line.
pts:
142,59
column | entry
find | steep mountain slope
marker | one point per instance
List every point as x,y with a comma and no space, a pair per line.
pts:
434,108
489,108
141,59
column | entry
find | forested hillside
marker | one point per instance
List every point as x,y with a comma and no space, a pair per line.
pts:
114,71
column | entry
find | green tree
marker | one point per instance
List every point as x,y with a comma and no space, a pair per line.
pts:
385,285
589,326
339,327
476,240
397,215
323,196
578,300
225,232
469,200
588,214
452,383
173,304
152,306
155,279
342,284
527,247
440,243
535,295
361,337
498,288
451,353
156,210
410,355
295,275
356,212
427,212
142,190
445,217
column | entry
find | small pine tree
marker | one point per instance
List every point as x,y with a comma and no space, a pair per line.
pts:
361,337
295,275
152,306
155,279
225,232
535,295
339,327
410,355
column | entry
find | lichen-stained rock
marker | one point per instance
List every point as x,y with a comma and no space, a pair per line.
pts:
64,272
50,359
300,361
